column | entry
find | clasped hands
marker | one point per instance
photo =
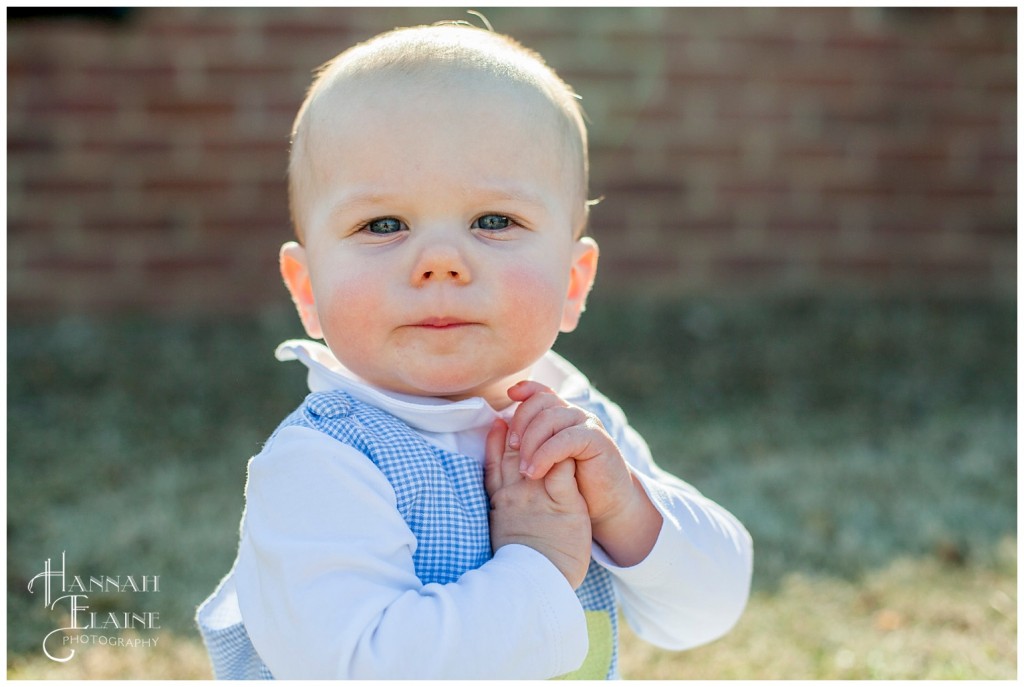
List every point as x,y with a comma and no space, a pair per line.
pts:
557,482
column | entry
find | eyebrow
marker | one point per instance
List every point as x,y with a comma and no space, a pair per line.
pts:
362,197
509,192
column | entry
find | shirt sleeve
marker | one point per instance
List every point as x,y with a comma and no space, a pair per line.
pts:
694,584
327,588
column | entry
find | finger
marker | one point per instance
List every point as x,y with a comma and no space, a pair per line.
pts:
544,425
533,398
579,442
560,483
494,449
507,458
526,388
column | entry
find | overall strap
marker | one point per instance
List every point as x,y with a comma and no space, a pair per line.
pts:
440,495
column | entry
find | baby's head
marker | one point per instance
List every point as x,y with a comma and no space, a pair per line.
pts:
440,58
438,182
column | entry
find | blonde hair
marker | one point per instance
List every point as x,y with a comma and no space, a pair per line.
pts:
436,52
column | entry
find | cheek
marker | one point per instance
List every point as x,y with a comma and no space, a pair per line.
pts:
347,302
533,298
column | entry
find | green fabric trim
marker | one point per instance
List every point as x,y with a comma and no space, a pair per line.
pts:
599,656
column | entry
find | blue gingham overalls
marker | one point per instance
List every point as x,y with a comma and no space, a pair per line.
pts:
440,495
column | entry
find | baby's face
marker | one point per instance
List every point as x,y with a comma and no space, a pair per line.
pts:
438,233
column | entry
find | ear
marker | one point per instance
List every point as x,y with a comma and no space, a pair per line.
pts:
581,279
295,271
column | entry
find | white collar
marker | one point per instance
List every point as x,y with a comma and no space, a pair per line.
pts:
423,413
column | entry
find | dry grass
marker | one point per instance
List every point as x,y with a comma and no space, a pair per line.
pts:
173,658
915,619
869,446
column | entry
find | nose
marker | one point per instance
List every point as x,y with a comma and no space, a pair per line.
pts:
440,262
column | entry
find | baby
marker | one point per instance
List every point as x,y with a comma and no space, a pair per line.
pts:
453,499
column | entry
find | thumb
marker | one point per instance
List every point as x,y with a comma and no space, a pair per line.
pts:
560,483
494,449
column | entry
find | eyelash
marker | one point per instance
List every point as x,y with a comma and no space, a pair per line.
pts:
365,227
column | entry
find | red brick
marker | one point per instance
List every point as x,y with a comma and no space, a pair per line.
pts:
169,106
748,265
701,227
697,151
313,30
64,185
68,106
959,192
767,45
951,118
862,190
789,224
865,267
185,266
926,152
170,132
127,225
798,153
32,225
649,188
993,228
24,68
816,77
732,189
125,145
64,264
874,45
684,77
911,227
173,30
29,143
247,148
647,265
186,185
114,72
249,71
264,223
956,267
990,44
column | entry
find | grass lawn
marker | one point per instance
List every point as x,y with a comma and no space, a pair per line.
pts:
868,445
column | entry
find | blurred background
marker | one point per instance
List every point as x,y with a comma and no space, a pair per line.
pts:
807,304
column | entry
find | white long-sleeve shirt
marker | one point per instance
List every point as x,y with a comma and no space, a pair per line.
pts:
325,580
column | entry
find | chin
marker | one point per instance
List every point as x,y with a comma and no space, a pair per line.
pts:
450,391
452,387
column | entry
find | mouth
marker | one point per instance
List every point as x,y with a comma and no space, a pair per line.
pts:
441,323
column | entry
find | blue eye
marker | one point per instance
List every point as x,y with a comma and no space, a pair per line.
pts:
384,225
492,222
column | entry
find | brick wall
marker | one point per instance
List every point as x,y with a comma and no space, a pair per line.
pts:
737,149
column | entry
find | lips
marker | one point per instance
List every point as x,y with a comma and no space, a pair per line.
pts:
442,323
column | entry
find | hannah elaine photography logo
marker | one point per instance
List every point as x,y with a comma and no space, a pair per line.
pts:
62,591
